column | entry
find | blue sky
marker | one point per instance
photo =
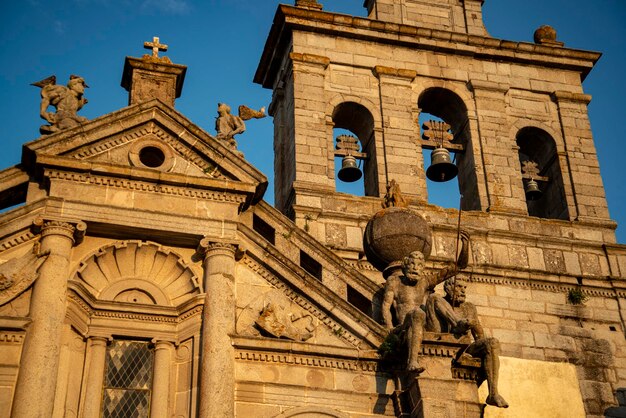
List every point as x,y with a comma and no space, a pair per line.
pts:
221,41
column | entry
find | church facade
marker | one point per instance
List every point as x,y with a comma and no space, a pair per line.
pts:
143,275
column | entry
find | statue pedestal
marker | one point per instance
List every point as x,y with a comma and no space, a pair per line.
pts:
442,390
438,398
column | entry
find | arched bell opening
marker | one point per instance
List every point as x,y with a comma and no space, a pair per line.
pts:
541,174
355,150
448,160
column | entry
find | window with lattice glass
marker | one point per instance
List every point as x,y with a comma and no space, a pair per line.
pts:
128,380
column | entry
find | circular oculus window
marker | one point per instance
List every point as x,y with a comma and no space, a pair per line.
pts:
152,157
152,154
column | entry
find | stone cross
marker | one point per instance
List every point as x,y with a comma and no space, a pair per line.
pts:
156,46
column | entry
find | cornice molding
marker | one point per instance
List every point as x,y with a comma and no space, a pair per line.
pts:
135,185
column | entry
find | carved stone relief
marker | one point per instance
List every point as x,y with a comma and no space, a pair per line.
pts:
278,322
138,272
17,274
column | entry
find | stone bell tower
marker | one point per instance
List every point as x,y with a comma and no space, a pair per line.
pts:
516,112
515,116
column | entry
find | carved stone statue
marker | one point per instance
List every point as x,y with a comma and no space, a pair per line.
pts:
405,291
393,197
66,100
228,125
453,314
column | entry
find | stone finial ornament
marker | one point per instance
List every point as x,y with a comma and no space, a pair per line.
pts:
66,100
546,35
453,314
309,4
228,125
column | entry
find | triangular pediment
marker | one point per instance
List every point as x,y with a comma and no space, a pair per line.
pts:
275,292
148,137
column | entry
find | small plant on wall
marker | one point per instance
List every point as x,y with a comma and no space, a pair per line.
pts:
576,296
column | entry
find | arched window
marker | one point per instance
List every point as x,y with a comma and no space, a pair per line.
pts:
354,120
452,132
540,163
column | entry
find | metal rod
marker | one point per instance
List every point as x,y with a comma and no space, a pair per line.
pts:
456,252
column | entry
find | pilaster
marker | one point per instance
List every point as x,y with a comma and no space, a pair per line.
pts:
312,140
402,150
42,345
217,367
580,158
499,152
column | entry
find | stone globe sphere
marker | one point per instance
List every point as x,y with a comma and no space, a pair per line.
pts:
392,234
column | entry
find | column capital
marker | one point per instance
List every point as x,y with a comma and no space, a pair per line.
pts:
72,229
162,343
210,246
99,340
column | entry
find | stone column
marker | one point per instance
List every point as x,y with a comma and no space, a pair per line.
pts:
95,377
37,378
161,379
217,364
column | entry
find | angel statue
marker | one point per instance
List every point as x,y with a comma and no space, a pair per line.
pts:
228,125
66,100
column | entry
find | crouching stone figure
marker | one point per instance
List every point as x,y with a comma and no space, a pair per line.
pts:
405,291
453,314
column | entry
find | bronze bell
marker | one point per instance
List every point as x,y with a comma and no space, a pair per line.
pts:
533,192
349,171
441,166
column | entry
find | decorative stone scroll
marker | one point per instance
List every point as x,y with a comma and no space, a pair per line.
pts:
18,274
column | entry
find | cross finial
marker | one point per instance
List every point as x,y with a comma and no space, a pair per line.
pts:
156,46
